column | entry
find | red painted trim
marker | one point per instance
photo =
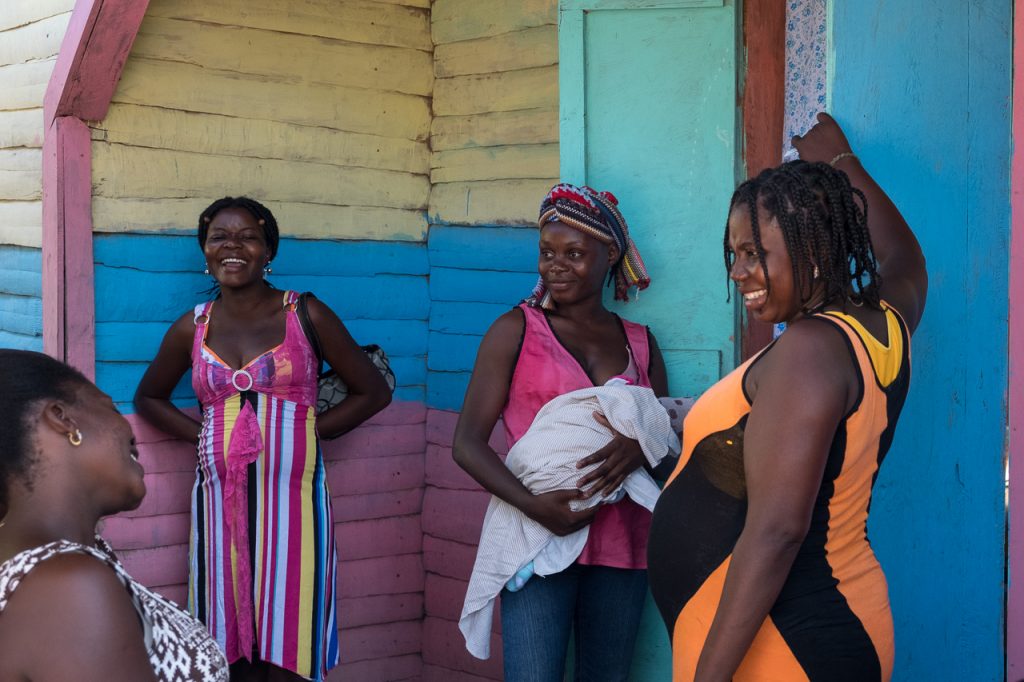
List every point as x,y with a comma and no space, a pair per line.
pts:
92,55
764,92
1015,391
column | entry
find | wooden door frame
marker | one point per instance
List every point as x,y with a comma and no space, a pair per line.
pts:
763,106
92,56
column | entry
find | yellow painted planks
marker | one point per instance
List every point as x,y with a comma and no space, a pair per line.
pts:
455,20
359,21
507,91
498,202
286,56
22,128
191,88
495,163
123,171
530,126
38,40
14,13
22,86
21,223
225,135
21,185
524,49
21,159
315,221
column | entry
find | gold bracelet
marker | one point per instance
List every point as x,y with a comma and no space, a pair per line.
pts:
839,157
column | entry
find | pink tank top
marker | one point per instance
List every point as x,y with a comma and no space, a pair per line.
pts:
546,369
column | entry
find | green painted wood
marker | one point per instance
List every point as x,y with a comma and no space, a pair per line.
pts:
648,111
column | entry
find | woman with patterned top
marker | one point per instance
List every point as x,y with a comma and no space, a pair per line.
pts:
68,609
262,558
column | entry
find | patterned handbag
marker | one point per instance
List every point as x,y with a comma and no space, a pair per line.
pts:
331,390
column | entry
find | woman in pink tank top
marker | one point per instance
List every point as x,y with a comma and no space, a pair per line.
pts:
560,340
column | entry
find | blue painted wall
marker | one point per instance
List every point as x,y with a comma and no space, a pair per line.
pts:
21,306
923,89
145,282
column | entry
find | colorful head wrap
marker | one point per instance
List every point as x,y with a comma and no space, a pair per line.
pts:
597,215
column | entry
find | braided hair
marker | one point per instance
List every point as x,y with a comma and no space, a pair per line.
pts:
26,378
823,219
261,213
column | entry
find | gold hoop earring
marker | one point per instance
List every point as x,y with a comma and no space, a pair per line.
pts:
75,438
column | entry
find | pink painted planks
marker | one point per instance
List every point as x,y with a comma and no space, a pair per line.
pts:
1015,397
405,667
99,37
444,646
448,558
454,514
379,609
379,537
379,641
377,505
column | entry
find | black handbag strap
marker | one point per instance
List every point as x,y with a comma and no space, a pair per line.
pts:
302,308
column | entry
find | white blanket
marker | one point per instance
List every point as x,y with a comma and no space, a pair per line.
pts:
544,459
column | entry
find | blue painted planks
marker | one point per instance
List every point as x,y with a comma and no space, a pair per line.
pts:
511,249
20,341
446,390
120,379
20,269
465,318
21,314
452,352
171,253
923,89
480,286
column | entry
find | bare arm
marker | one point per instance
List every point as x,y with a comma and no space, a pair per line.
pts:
485,398
368,393
901,262
77,604
802,394
153,396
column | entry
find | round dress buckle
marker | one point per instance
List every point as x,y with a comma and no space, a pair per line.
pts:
234,380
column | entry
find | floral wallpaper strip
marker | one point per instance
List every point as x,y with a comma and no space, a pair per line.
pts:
806,51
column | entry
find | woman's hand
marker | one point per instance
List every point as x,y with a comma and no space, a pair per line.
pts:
552,511
621,457
823,142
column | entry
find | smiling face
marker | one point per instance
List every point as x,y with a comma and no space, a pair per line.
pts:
781,301
572,265
236,248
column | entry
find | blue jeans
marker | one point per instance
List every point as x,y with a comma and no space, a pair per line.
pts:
603,605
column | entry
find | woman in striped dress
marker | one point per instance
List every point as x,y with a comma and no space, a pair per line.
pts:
262,556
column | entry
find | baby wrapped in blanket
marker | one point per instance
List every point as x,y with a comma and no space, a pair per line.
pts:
513,546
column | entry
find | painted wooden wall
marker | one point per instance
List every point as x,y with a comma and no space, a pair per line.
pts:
30,36
923,89
322,111
494,142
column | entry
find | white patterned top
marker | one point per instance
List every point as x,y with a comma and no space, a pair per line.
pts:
180,649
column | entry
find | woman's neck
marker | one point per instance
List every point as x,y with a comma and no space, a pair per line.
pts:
247,299
588,310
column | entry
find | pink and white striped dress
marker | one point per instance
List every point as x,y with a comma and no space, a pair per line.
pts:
262,557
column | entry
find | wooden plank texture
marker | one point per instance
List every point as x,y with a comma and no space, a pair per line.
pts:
21,128
23,12
358,21
193,88
22,86
121,171
498,202
38,40
528,126
531,47
288,57
455,20
503,91
256,138
495,163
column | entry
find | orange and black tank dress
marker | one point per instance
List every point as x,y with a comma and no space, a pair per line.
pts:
831,621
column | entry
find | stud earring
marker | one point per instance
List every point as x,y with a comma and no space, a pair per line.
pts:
206,270
75,438
267,270
816,272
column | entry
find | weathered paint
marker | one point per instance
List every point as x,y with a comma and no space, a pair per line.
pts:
923,91
1015,394
30,35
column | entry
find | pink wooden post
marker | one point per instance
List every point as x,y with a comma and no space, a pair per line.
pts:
1015,445
99,37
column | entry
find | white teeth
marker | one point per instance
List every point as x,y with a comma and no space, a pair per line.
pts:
755,294
232,260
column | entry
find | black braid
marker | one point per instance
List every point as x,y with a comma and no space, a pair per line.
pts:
258,211
822,223
26,378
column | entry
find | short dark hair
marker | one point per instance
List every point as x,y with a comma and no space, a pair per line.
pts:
26,378
258,211
823,219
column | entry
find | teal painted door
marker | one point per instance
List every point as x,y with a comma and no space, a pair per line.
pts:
648,111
